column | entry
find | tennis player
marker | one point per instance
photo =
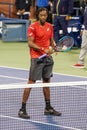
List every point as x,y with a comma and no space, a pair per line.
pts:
40,38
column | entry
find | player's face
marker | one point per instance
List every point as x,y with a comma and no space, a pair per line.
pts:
42,17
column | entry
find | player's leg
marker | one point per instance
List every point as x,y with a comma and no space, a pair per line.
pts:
47,73
49,110
22,112
34,74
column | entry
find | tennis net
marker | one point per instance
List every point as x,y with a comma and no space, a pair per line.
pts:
69,98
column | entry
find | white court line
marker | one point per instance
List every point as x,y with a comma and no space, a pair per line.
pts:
72,75
16,83
11,77
53,72
14,68
38,122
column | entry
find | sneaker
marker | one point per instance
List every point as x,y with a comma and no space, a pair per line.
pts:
23,114
78,66
51,111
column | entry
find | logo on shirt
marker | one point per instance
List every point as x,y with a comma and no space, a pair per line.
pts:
32,28
30,34
48,29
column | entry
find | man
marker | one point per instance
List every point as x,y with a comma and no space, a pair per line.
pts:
83,51
62,10
40,38
23,8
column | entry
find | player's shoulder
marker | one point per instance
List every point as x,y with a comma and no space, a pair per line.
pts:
33,25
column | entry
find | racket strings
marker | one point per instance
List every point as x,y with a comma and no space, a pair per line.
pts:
66,43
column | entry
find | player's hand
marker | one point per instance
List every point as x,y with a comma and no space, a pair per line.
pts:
49,51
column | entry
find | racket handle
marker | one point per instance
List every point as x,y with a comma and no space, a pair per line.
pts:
42,56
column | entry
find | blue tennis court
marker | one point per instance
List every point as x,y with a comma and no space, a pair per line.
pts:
71,101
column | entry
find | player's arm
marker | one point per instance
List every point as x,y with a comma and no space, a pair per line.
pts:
31,44
31,38
52,43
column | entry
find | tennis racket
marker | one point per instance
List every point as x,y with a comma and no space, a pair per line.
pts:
65,44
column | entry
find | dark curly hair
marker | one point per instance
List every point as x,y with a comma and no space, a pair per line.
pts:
40,10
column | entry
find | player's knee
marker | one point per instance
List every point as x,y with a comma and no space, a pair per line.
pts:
47,80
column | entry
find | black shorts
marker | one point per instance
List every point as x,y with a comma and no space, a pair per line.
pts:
41,69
